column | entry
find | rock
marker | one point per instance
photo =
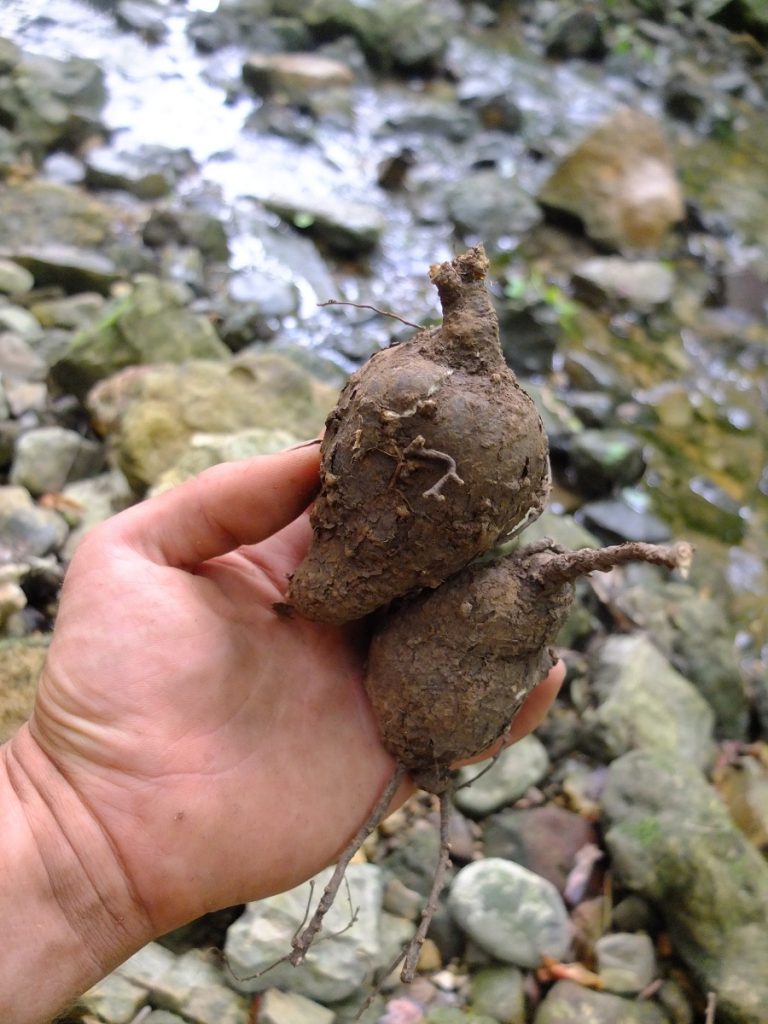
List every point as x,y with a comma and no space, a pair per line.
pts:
576,33
12,600
20,322
49,457
619,520
675,1001
625,962
114,999
498,992
205,450
672,841
519,767
266,295
21,662
278,1007
155,410
692,629
334,968
63,169
350,227
143,17
604,459
620,182
18,359
14,280
172,225
294,74
569,1003
412,860
495,106
546,840
645,704
214,1004
148,966
189,985
94,500
512,914
148,172
27,530
150,325
743,786
486,205
74,312
434,116
453,1015
162,1017
639,284
405,34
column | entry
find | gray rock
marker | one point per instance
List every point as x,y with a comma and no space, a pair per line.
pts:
115,999
267,295
335,967
625,962
95,499
20,322
63,169
18,359
604,459
672,840
512,914
163,1017
294,75
498,992
569,1003
639,284
14,280
487,205
576,33
427,116
148,172
148,966
12,600
214,1004
693,630
644,703
189,985
169,225
49,457
71,311
276,1007
620,519
142,16
519,767
26,530
151,325
351,227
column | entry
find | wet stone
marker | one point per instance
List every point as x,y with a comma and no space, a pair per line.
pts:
639,284
509,912
519,767
148,172
618,520
625,962
142,16
569,1003
604,459
350,227
487,205
294,74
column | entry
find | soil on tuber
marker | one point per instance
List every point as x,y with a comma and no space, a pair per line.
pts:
432,454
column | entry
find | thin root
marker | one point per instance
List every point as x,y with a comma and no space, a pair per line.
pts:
303,941
416,448
364,305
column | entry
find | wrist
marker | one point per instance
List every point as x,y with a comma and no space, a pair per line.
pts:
70,912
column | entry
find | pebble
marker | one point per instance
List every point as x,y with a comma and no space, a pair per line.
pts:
47,458
278,1007
21,322
626,962
511,913
115,999
14,279
499,992
18,358
26,530
569,1003
520,766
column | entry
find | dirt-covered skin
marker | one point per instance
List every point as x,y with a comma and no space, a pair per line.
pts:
432,454
448,669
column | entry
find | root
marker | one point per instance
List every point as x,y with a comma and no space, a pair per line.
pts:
303,940
364,305
567,567
416,448
438,881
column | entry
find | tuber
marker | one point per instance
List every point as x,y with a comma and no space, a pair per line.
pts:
432,454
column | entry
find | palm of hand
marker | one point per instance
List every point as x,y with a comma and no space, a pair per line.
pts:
230,751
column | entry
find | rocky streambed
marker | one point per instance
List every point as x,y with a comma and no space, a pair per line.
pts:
180,186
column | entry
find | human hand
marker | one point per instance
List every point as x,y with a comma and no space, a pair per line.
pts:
221,751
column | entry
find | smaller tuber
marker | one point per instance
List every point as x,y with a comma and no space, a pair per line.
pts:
449,668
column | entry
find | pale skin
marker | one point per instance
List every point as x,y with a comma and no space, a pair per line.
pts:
190,748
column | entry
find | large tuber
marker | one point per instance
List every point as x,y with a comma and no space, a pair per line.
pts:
432,454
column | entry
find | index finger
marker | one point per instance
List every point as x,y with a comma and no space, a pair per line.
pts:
223,508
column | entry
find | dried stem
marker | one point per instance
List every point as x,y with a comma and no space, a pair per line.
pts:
364,305
709,1016
303,941
438,881
567,567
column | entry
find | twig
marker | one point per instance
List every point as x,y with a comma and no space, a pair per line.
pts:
302,942
709,1015
416,448
364,305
